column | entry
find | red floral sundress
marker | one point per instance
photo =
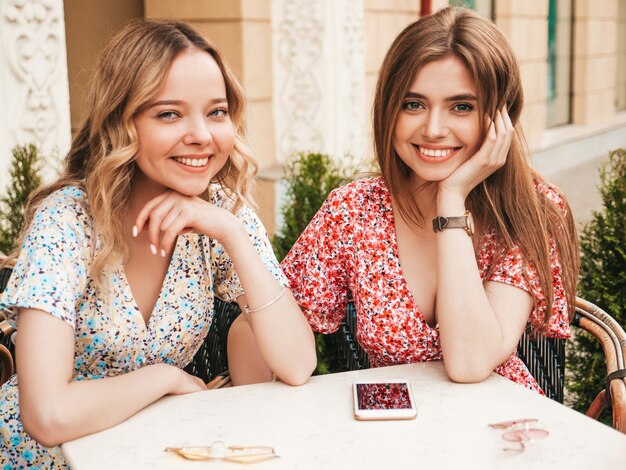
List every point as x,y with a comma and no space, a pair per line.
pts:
349,252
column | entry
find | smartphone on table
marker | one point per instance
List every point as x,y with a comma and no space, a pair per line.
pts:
378,400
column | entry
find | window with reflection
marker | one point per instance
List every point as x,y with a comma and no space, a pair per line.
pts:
559,105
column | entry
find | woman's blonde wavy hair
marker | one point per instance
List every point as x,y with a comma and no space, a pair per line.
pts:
101,160
507,201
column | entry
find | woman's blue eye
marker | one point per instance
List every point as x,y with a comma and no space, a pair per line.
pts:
463,107
220,112
167,115
412,105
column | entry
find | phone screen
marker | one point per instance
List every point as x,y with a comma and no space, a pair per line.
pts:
383,396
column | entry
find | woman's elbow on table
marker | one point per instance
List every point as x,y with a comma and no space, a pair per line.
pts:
462,372
301,374
297,361
45,425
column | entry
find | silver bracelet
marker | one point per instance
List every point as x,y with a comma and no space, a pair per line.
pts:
274,300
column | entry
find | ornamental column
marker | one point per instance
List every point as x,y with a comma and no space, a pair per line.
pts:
34,93
319,78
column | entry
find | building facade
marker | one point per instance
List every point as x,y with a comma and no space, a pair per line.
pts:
309,68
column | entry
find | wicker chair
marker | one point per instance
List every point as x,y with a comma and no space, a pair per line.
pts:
6,360
544,357
209,363
601,325
7,347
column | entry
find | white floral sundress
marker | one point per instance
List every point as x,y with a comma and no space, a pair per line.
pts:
110,335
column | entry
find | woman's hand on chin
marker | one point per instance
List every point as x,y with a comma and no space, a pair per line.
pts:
490,157
171,214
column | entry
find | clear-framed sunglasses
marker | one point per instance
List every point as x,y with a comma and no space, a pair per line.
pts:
221,452
523,432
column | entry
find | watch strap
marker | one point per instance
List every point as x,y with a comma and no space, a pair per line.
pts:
465,222
440,223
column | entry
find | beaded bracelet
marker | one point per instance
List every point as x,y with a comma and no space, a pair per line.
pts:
274,300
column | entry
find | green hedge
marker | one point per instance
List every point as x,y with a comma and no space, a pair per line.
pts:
25,178
309,177
602,281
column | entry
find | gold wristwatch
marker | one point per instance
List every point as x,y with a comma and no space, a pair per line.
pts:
466,222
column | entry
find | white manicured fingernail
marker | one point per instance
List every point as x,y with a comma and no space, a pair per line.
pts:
134,231
153,249
162,252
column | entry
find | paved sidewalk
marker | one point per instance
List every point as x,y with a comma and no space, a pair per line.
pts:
580,186
574,167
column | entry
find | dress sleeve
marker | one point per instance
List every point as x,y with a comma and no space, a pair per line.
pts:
317,266
226,281
511,268
51,272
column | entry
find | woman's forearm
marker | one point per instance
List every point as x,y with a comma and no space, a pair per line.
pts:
83,407
470,332
282,333
475,336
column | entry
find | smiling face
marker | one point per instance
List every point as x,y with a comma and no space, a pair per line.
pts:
185,132
438,127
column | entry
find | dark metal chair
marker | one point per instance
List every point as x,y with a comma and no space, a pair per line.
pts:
544,357
7,347
351,354
209,362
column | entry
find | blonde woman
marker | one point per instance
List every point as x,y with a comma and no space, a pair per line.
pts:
459,245
122,256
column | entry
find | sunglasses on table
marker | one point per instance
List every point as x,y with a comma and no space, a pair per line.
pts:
221,452
520,431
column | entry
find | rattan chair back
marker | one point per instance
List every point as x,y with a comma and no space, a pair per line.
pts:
604,328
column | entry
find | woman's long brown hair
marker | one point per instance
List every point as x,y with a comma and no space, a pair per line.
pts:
507,201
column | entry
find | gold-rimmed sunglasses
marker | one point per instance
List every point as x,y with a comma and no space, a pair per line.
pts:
520,431
221,452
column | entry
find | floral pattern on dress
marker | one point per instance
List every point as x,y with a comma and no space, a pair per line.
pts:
349,252
110,334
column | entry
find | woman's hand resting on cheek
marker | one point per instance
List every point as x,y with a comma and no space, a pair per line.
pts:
489,158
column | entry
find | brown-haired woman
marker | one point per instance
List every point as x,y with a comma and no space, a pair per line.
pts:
460,244
121,257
